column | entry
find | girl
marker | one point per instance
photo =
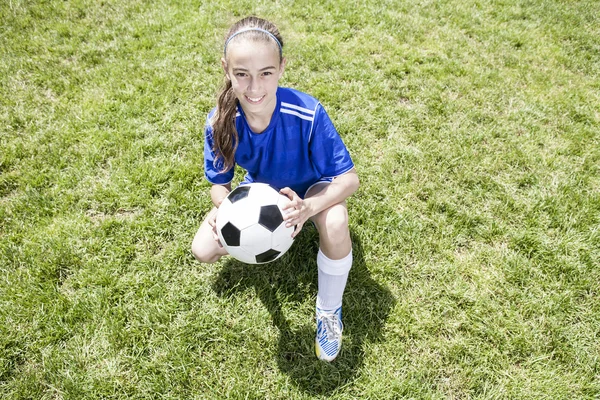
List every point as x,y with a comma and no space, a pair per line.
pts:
284,138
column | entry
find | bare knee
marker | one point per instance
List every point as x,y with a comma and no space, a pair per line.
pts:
204,252
204,246
332,225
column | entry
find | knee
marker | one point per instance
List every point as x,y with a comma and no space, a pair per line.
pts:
203,253
333,223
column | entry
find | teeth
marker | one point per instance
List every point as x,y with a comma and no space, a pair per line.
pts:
255,100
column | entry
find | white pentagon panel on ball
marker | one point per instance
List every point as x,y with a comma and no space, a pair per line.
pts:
264,194
222,215
281,239
244,213
256,239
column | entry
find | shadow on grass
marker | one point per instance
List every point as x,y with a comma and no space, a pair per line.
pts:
294,279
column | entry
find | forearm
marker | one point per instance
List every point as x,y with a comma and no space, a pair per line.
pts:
218,193
339,190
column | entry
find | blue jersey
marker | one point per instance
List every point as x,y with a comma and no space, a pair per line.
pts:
298,148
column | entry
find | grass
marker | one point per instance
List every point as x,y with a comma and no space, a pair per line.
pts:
474,126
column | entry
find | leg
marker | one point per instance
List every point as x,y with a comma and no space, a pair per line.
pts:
332,225
204,247
335,255
334,262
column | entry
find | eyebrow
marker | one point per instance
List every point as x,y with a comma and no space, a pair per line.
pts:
260,70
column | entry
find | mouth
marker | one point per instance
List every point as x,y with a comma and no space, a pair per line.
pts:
254,100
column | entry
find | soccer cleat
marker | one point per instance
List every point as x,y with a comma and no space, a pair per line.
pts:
329,334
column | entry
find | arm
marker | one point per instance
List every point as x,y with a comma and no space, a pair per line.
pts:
218,193
340,189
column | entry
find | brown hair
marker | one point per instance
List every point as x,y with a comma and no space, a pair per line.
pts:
225,136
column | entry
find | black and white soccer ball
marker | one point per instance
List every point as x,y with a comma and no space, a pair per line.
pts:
250,224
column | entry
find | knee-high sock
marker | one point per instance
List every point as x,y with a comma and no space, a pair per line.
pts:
333,275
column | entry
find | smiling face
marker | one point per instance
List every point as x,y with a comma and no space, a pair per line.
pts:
254,68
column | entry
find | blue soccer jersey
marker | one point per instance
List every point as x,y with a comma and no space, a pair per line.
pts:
298,148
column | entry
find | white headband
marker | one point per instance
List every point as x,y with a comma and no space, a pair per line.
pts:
253,29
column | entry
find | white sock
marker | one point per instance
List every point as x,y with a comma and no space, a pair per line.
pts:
332,278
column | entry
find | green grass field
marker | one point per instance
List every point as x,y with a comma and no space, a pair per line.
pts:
475,129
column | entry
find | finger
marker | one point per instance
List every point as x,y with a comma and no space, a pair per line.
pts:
216,238
297,230
293,218
289,193
291,213
288,208
296,204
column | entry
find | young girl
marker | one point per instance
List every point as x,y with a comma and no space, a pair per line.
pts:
282,137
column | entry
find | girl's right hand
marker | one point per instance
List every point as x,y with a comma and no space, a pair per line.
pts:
212,221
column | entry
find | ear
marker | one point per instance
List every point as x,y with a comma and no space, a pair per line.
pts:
224,66
282,66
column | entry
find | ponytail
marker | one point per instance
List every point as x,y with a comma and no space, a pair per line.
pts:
225,137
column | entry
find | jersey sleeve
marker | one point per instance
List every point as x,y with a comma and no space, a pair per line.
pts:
211,169
327,150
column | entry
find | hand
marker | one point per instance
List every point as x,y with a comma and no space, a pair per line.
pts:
212,221
297,211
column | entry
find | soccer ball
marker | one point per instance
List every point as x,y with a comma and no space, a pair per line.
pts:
250,224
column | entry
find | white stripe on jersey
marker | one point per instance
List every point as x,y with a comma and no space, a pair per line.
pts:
306,117
295,107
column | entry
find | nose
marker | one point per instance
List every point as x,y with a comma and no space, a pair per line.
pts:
253,85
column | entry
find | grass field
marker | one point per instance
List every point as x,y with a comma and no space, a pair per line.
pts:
475,129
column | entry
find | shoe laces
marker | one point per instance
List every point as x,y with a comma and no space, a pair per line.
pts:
332,325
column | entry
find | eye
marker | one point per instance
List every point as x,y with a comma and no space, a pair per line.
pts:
240,74
267,73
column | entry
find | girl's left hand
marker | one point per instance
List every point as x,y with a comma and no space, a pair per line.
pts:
297,211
